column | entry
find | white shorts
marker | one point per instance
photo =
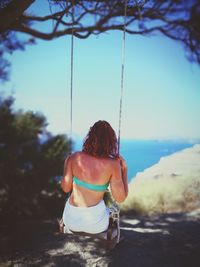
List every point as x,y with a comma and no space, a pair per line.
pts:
91,220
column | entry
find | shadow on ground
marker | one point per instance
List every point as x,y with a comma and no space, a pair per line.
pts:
164,241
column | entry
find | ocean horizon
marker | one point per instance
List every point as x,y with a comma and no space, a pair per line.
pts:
142,154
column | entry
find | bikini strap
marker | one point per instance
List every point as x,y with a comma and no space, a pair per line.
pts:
94,187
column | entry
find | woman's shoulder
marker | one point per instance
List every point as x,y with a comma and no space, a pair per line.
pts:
76,154
72,156
79,155
82,154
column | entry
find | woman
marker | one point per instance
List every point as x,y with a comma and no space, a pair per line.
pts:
88,174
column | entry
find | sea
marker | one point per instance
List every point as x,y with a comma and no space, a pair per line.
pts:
142,154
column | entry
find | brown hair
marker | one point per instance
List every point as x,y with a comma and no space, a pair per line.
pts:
101,140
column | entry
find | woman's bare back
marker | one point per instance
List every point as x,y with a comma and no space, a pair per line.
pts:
95,171
92,170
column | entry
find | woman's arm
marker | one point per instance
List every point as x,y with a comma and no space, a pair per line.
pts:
124,171
118,182
66,182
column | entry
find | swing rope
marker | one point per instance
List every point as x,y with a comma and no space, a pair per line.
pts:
122,70
71,81
71,64
114,210
122,73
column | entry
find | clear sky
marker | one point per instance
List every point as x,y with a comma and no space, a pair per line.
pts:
161,88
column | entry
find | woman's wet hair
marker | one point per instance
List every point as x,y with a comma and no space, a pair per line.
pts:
101,140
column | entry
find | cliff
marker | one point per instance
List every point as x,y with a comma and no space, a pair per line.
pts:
171,185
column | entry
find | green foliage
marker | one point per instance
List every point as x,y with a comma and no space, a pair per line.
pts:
31,163
175,19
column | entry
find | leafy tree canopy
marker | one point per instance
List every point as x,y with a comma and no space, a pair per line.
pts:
31,162
176,19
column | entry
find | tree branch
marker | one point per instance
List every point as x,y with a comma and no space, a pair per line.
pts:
177,20
44,18
12,12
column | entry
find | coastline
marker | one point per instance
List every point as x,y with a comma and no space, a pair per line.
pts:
171,185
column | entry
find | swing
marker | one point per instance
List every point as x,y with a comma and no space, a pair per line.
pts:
110,237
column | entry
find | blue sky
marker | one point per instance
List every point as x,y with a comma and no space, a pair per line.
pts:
161,88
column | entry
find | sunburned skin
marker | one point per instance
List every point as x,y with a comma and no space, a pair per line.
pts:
96,171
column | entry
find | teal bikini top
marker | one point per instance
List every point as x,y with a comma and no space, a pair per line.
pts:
94,187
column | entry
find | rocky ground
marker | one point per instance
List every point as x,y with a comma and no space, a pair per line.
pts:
170,240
